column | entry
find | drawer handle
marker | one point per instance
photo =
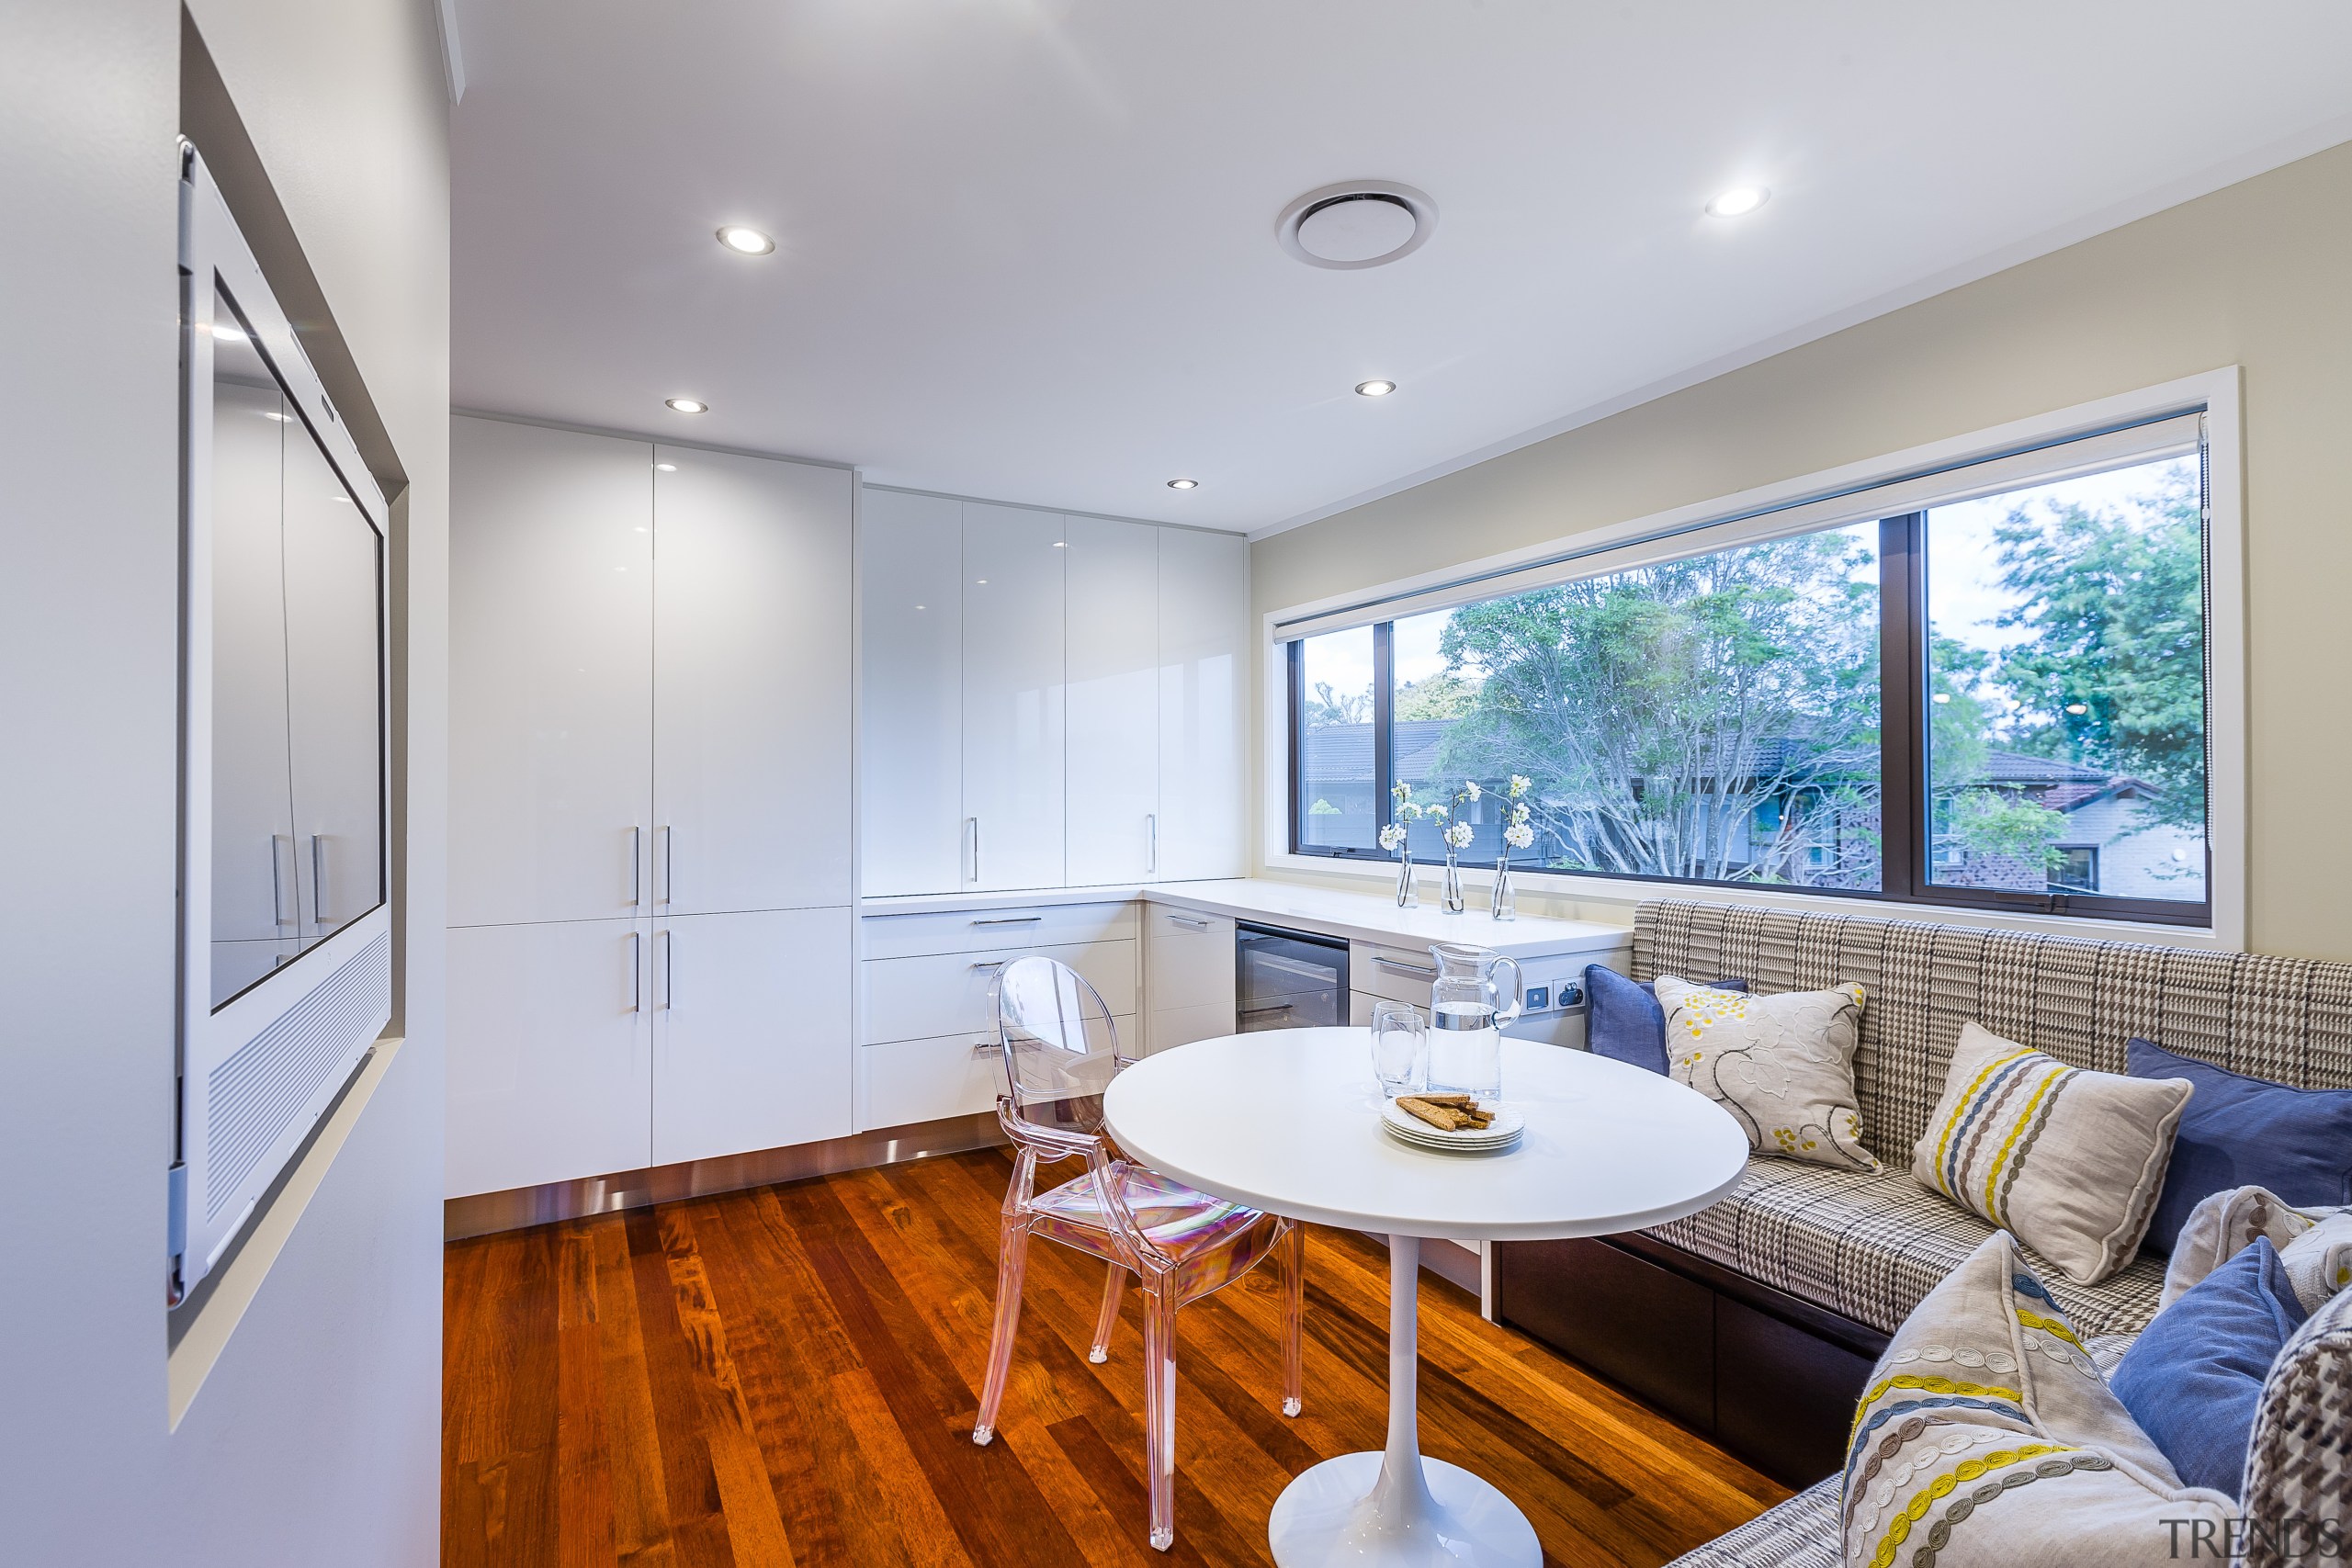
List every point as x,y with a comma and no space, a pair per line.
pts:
993,963
1278,1006
1192,923
1417,971
1011,920
989,1048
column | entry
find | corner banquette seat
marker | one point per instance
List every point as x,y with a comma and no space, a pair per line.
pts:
1757,1321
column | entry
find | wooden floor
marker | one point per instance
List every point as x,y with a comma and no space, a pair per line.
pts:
789,1375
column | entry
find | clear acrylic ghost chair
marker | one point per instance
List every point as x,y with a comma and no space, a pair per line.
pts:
1061,1053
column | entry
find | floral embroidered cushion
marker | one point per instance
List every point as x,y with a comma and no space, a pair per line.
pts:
2070,1159
2314,1244
1784,1065
1986,1438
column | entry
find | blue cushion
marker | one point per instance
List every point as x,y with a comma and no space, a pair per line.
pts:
2192,1380
2242,1131
1624,1022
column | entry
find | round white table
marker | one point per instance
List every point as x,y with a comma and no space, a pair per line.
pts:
1608,1147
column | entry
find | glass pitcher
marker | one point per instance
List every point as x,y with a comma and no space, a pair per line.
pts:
1466,1020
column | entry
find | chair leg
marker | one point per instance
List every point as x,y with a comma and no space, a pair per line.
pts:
1293,1260
1159,1408
1113,1289
1012,1258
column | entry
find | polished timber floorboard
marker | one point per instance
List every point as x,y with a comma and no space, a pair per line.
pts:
789,1375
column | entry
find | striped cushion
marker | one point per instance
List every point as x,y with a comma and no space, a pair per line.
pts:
1871,1246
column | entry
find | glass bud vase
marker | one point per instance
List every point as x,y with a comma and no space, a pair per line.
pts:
1452,882
1408,897
1506,900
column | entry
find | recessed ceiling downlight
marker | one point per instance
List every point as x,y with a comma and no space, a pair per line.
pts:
1357,224
745,241
1183,484
687,405
1739,201
1374,388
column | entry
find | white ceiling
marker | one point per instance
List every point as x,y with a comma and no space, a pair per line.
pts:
1026,247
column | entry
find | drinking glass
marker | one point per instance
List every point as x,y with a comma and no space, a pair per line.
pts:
1400,1048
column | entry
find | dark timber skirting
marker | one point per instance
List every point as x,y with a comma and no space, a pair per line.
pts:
1770,1377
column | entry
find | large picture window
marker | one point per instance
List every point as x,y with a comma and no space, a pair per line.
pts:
1998,700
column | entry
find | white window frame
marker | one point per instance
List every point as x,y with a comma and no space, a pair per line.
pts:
1763,512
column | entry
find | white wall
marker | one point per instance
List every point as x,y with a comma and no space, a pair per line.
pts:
316,1438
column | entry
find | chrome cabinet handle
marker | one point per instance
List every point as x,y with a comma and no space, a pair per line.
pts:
989,1048
1151,843
636,868
1278,1006
669,992
1189,922
993,963
1011,920
665,890
1417,971
317,881
635,977
277,885
974,824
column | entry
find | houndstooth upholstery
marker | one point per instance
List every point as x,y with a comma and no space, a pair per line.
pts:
1871,1246
2288,1019
1799,1533
2299,1470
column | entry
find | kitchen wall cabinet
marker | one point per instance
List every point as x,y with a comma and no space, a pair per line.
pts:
1112,752
551,673
1203,633
751,684
1014,587
651,698
1071,715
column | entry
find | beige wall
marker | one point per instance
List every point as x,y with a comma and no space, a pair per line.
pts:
2257,274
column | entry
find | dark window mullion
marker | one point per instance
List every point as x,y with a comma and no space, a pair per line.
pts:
1384,710
1904,804
1297,655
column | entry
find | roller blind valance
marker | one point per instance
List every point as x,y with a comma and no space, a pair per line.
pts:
2170,435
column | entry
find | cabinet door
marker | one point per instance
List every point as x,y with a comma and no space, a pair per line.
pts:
1013,605
550,672
753,1047
550,1061
752,652
911,592
1204,704
1112,767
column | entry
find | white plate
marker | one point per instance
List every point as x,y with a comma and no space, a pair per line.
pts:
1505,1129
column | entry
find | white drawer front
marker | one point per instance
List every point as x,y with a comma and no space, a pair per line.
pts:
994,930
1187,959
917,999
1402,974
922,1081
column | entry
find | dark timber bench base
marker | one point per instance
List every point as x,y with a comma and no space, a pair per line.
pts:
1769,1377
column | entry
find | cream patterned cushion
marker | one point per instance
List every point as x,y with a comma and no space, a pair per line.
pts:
2070,1159
2314,1245
1987,1439
1783,1065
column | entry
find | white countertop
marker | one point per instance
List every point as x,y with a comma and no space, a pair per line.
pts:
1358,916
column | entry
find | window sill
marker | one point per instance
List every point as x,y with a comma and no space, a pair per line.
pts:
1611,900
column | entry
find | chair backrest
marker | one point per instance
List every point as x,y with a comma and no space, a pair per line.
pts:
2288,1019
1060,1048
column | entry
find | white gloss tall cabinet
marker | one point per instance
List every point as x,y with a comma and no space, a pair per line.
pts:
651,783
1048,700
